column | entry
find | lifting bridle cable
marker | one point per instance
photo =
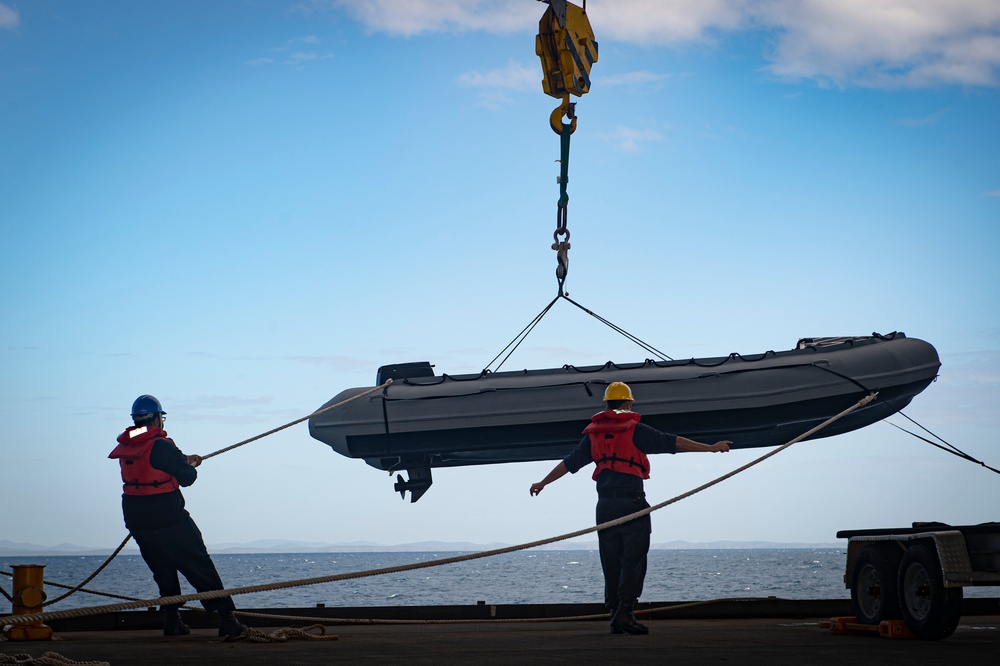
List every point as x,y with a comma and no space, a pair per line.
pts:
561,244
651,349
947,447
520,337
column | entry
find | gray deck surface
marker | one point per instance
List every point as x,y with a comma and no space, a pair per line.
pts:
686,641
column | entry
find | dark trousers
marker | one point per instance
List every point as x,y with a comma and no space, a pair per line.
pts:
180,548
623,552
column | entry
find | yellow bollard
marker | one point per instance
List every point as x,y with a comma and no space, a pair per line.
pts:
29,595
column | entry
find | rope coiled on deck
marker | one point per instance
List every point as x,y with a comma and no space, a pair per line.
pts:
47,659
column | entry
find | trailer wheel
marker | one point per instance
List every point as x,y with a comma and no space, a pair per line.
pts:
931,610
873,583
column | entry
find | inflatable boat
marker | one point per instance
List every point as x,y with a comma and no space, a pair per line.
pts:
423,420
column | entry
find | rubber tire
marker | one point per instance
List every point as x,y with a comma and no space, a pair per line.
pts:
873,583
931,610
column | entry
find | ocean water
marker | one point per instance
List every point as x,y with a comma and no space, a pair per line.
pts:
523,577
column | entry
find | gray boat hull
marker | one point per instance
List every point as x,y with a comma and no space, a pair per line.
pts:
421,422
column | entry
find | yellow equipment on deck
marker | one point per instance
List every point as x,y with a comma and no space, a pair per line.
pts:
28,598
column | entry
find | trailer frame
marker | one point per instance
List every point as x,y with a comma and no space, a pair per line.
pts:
917,574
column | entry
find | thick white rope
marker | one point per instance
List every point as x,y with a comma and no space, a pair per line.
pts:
250,589
47,659
297,421
282,635
493,620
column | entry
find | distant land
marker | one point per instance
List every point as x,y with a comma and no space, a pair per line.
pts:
13,549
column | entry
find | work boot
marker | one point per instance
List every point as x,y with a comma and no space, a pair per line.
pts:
229,625
173,625
624,621
614,619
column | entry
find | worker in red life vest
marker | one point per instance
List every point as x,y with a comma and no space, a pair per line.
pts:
153,472
619,444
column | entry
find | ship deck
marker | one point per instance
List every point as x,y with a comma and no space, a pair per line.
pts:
794,639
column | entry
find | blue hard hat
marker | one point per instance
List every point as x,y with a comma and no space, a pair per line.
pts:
146,405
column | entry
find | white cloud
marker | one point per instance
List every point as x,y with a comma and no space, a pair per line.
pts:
413,17
303,56
295,59
515,76
9,18
871,43
494,84
931,119
299,59
992,193
885,43
628,138
638,79
667,21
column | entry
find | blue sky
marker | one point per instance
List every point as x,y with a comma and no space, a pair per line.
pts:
245,207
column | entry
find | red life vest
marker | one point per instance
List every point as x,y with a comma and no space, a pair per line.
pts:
138,475
611,444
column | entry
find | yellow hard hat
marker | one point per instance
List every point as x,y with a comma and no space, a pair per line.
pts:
618,391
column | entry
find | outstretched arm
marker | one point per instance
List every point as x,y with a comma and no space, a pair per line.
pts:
557,472
690,446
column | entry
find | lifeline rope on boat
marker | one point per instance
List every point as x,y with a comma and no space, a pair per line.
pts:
215,594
